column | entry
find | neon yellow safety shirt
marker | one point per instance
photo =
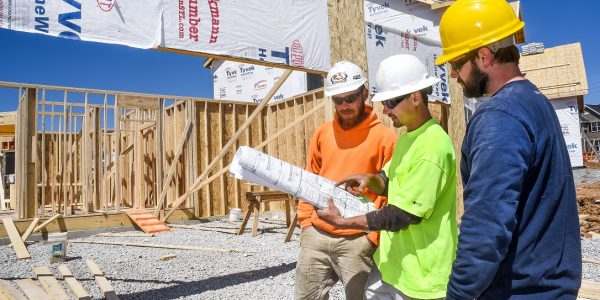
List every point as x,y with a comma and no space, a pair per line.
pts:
422,181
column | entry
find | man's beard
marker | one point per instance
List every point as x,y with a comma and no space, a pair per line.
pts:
476,84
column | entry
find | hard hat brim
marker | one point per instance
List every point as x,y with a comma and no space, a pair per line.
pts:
453,52
344,89
407,89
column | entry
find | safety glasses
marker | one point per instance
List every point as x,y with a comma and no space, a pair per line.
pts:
348,99
457,64
391,103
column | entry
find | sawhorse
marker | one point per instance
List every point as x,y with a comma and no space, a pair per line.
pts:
254,200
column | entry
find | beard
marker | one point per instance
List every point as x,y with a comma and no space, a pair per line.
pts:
476,84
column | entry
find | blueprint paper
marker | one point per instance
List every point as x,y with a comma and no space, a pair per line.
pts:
254,166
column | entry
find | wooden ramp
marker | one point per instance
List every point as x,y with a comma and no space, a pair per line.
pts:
146,221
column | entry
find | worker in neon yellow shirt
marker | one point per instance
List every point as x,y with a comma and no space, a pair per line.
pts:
418,225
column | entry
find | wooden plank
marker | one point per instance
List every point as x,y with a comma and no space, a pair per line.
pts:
105,286
236,183
32,290
9,292
225,148
232,231
206,151
125,234
106,155
15,239
76,287
589,290
30,229
591,261
96,158
173,167
118,191
52,286
136,101
161,246
43,204
159,150
94,221
222,196
43,225
243,60
138,198
63,161
8,118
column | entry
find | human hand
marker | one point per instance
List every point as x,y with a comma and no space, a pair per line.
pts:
331,214
354,184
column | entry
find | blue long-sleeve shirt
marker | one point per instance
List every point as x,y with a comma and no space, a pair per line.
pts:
519,235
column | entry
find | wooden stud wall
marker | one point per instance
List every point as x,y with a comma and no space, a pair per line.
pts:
117,154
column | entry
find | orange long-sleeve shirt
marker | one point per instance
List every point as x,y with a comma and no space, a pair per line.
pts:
336,153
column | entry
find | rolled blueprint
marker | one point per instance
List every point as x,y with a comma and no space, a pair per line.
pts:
252,165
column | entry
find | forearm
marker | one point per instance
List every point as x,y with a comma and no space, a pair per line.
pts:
358,222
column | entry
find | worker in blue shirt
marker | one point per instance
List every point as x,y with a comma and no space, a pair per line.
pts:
519,235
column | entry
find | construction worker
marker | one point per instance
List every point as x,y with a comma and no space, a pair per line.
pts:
418,224
519,235
354,142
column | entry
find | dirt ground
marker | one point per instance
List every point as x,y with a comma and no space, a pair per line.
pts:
588,197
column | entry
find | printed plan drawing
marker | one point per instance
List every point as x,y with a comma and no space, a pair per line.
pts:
254,166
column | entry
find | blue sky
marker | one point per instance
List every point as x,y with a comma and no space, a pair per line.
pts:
38,59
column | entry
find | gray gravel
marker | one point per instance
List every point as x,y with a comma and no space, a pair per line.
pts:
586,175
260,267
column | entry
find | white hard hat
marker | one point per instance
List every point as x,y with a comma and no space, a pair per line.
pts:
399,75
344,77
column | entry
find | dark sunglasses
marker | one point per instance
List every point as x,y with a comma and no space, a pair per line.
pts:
457,65
348,99
391,103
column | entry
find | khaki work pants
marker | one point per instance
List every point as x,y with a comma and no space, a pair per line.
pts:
325,258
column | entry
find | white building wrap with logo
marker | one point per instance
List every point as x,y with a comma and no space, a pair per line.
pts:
395,27
251,83
568,116
288,32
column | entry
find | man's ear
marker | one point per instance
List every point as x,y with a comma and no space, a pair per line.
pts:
365,93
415,97
485,57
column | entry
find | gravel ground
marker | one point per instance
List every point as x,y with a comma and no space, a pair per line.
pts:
260,267
586,175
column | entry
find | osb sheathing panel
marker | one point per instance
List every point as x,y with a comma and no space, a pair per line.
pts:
456,131
559,72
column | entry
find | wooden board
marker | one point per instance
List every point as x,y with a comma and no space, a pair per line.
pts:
50,284
134,101
15,239
105,286
32,290
589,289
43,225
93,221
76,288
163,246
9,292
30,229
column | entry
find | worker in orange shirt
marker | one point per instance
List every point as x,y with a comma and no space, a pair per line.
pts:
354,142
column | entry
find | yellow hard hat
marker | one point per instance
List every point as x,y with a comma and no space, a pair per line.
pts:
471,24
